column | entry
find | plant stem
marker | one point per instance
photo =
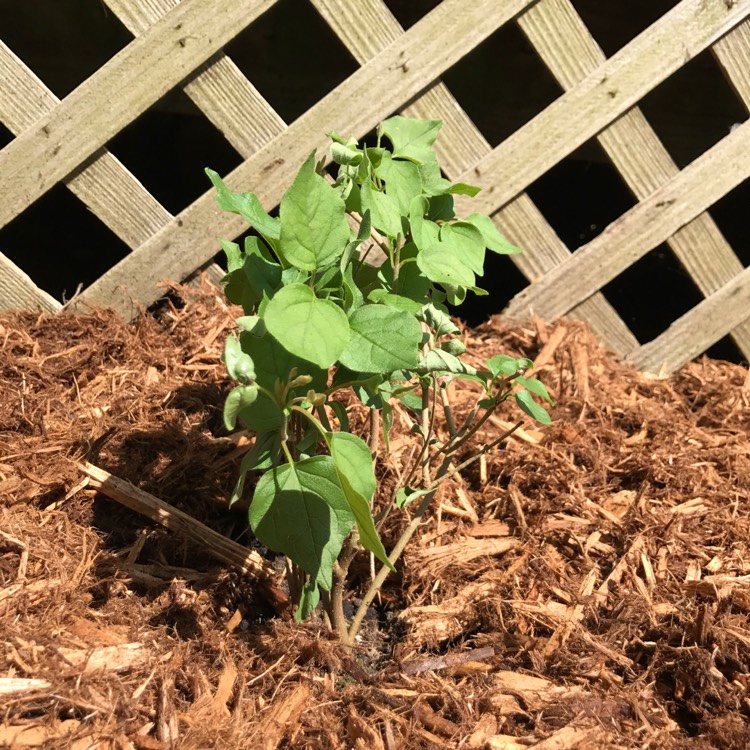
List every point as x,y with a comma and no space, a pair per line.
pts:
447,410
382,574
427,434
374,436
442,474
336,599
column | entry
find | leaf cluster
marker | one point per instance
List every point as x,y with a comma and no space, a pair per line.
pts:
318,319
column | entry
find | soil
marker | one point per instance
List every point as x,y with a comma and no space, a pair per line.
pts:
587,586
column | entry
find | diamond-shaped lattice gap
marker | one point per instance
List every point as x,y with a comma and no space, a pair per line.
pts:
502,83
62,42
60,244
730,214
693,109
5,136
727,350
615,23
168,147
652,293
292,56
502,281
581,195
408,12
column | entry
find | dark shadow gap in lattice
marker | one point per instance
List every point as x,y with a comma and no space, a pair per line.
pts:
502,84
693,109
615,23
64,43
168,147
60,244
292,56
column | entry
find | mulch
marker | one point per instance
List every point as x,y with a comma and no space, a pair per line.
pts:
586,586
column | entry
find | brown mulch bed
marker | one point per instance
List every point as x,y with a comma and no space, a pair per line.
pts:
588,586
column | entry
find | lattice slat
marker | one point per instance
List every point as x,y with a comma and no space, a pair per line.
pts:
562,40
18,291
700,327
105,186
645,226
140,74
461,145
601,97
385,83
218,87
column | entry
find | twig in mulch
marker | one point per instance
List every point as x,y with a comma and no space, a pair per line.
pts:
415,666
215,544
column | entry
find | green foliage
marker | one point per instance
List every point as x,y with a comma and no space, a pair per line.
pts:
319,319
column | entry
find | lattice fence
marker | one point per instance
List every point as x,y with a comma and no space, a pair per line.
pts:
180,44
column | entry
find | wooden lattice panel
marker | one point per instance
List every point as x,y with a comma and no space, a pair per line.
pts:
180,43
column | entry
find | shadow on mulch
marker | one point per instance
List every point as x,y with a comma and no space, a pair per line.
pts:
586,586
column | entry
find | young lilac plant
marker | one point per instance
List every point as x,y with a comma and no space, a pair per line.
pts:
319,320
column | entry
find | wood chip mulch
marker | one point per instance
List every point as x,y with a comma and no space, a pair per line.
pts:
587,586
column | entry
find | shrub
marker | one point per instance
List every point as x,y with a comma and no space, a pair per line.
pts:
320,319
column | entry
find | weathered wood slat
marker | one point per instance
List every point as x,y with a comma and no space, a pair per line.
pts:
19,292
729,307
732,52
140,74
564,43
368,27
645,226
105,186
390,79
695,331
218,87
603,96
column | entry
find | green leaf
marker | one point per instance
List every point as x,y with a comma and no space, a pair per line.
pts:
502,364
240,365
535,386
407,495
384,211
410,400
340,411
314,230
468,243
238,399
441,208
439,321
383,339
461,188
353,297
441,263
262,455
456,347
433,182
250,275
493,240
354,466
455,295
402,181
438,360
308,601
274,362
246,205
395,300
412,139
234,255
301,510
343,154
314,329
528,405
423,231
